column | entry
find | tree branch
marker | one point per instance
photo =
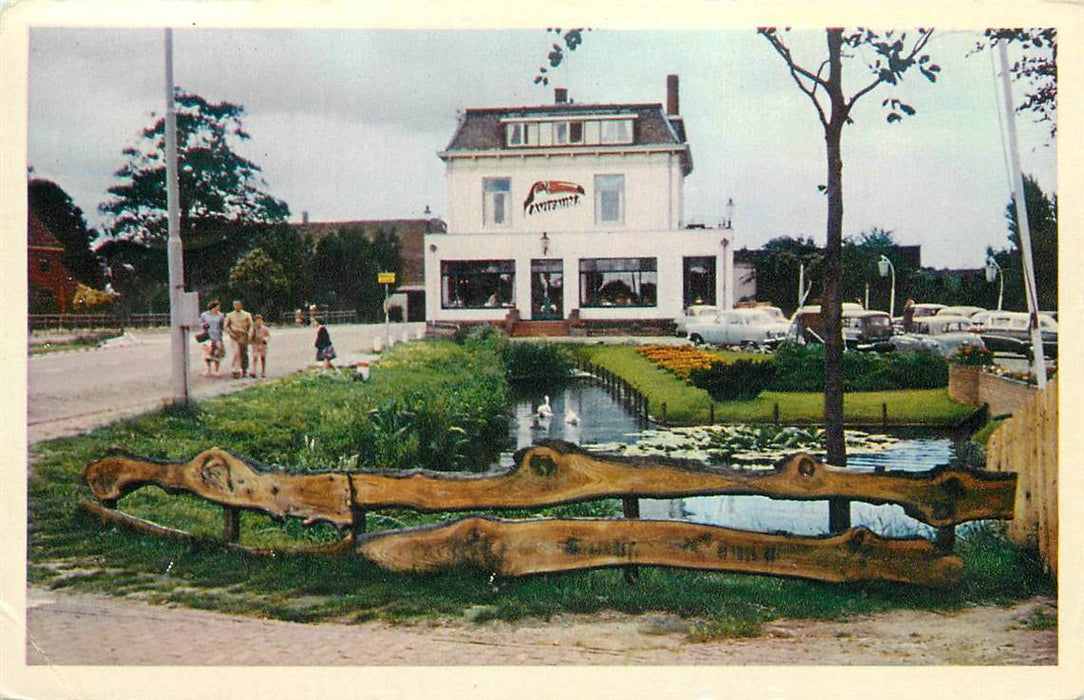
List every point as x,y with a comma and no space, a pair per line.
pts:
796,70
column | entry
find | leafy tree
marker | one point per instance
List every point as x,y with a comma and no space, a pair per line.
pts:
1042,213
58,212
777,266
345,267
217,186
294,251
1037,68
572,38
260,282
892,57
138,273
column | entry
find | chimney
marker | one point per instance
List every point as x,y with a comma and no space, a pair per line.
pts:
672,95
560,96
304,217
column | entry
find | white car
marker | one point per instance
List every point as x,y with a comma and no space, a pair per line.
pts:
739,327
693,314
1006,332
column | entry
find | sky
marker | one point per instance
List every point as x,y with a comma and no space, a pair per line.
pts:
347,124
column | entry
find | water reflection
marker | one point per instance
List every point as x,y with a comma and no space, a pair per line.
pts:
602,420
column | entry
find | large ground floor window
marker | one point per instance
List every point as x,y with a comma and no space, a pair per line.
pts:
618,282
699,281
477,284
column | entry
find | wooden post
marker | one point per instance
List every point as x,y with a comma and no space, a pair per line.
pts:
884,416
775,414
631,508
711,413
357,525
946,538
231,524
662,413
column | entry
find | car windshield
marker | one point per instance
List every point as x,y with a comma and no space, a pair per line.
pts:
878,321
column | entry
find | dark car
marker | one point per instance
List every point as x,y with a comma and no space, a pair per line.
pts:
1006,333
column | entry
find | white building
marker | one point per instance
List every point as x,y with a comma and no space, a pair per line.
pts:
569,209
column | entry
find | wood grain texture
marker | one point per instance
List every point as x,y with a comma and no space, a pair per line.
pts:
228,479
553,472
517,548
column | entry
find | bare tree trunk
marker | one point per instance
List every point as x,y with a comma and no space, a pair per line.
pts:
839,516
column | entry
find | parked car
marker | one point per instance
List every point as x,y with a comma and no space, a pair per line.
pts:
738,327
1006,332
696,312
862,330
868,330
965,311
940,334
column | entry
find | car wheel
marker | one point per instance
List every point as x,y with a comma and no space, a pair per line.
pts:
696,339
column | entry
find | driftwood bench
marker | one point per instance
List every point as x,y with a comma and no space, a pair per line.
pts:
554,472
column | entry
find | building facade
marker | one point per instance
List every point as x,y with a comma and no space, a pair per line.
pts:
569,208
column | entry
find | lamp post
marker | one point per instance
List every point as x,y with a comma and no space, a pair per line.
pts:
728,226
994,271
545,241
885,266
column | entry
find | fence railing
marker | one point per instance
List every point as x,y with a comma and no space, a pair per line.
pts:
554,472
624,393
63,322
1027,444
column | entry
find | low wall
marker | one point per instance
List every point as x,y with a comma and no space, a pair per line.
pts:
972,386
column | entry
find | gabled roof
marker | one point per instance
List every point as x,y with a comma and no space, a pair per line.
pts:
39,235
481,130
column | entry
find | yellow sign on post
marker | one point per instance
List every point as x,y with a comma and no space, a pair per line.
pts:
385,278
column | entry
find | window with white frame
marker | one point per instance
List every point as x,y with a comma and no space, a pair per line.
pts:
616,131
497,201
609,199
618,282
515,134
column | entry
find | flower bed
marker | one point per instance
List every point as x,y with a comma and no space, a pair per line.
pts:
680,360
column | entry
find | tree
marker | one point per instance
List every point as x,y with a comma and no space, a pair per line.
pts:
58,212
1037,67
777,266
892,58
260,282
572,38
217,186
1042,213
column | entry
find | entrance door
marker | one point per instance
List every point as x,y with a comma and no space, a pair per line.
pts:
547,289
699,282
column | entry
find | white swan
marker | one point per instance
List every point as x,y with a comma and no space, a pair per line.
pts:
544,411
571,417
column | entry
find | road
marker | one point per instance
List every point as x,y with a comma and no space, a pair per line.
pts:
69,392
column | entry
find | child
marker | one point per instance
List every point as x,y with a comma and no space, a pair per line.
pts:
213,350
324,349
260,334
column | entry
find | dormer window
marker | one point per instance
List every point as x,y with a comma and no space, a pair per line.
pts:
515,134
524,132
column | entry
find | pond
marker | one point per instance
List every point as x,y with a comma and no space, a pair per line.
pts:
606,427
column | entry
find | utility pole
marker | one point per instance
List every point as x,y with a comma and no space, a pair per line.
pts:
1038,360
174,250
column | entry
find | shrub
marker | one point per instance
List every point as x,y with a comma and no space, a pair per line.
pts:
537,362
973,356
742,379
801,368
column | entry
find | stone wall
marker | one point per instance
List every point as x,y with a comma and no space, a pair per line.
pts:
972,386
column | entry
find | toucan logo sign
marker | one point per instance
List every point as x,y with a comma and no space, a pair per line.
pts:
550,195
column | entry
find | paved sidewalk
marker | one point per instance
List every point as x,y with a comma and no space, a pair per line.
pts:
71,392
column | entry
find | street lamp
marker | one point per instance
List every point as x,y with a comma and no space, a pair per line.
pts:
545,240
885,266
728,222
994,271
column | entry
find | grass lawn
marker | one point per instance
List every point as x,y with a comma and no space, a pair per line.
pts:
686,404
318,421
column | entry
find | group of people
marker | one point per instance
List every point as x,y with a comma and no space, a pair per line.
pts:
245,332
248,333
